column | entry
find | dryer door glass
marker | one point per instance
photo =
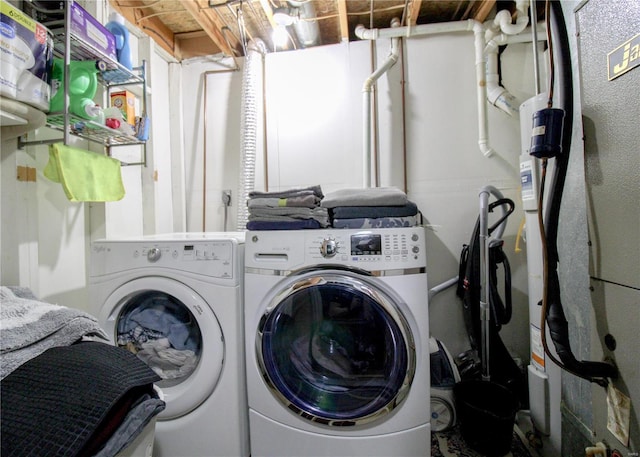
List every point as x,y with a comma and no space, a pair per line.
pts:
336,349
161,331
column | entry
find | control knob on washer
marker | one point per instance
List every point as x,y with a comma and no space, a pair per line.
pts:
154,254
329,248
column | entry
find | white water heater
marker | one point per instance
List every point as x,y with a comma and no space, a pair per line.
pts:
544,376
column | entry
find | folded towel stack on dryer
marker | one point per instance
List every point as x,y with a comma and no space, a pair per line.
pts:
287,210
376,207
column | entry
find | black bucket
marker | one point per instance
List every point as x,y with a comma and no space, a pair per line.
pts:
486,412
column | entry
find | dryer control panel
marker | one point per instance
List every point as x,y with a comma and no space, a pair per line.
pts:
370,249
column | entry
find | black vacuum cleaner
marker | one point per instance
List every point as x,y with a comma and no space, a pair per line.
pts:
493,387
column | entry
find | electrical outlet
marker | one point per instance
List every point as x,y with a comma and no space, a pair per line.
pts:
226,197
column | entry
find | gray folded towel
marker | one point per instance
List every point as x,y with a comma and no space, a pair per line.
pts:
290,214
303,201
352,212
311,190
374,196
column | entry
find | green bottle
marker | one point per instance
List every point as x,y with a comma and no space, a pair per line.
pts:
83,83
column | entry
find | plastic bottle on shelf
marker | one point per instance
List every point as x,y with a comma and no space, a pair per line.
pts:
117,26
115,120
86,108
83,83
96,113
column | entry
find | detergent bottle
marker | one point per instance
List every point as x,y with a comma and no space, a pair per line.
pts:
121,33
83,83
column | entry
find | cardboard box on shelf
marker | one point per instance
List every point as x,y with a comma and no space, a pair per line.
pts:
125,101
88,29
27,58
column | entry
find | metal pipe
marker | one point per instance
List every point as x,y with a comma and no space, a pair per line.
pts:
435,290
485,314
534,39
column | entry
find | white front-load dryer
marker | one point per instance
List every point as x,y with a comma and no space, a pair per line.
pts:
337,341
176,300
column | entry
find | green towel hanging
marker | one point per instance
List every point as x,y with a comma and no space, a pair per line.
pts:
85,176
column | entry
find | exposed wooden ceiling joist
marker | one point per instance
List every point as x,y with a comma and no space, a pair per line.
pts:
211,24
189,28
343,21
136,12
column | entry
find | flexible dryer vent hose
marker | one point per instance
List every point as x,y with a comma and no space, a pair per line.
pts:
251,82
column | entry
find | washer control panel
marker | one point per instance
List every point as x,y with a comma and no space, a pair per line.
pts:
371,249
367,246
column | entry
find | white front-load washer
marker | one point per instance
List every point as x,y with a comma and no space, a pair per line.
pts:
176,300
337,341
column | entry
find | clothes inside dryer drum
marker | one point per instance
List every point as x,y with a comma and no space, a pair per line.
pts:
335,353
163,333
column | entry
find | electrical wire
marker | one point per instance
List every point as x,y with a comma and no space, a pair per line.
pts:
545,287
552,73
242,29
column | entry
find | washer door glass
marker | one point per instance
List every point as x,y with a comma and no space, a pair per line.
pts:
336,349
174,330
163,333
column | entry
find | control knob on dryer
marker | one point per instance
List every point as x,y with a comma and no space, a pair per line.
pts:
329,248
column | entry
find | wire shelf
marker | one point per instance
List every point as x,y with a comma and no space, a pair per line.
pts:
91,131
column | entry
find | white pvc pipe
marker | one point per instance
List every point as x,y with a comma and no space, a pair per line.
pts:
487,84
503,22
367,87
415,30
497,95
445,27
481,90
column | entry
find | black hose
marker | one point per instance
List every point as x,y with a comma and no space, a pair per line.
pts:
553,312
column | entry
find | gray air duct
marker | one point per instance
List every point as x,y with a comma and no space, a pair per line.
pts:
307,30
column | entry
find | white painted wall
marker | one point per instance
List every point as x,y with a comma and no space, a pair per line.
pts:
45,238
211,141
314,136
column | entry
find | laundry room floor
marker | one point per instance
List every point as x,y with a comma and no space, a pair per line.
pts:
450,443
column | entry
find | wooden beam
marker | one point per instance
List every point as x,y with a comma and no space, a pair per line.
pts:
343,20
414,12
483,10
194,44
266,7
133,11
210,23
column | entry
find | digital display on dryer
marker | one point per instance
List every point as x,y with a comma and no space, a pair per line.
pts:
366,244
